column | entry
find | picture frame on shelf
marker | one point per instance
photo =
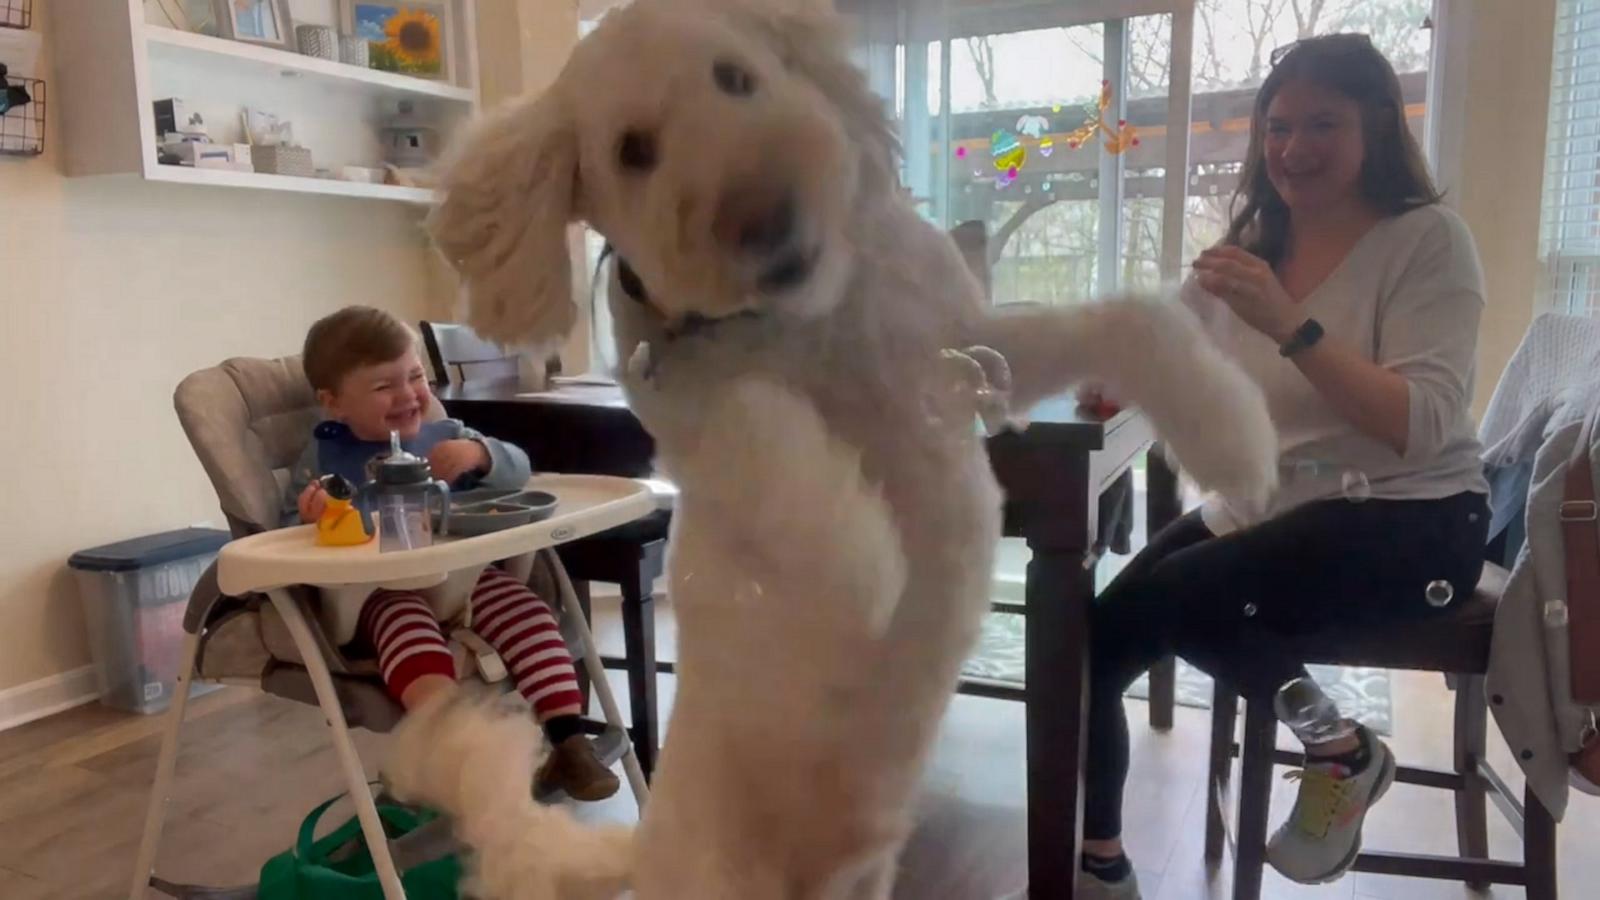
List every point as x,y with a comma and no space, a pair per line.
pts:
197,16
263,22
407,37
202,15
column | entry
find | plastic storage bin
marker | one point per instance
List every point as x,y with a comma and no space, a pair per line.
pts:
134,595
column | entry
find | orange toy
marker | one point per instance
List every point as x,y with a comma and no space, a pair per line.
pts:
341,524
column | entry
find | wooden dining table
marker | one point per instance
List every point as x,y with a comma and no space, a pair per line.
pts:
1054,472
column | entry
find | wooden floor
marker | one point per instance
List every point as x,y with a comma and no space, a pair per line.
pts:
72,790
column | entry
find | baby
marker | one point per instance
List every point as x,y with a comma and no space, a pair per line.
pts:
364,366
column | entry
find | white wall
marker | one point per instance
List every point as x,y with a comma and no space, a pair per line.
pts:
111,290
522,45
1501,152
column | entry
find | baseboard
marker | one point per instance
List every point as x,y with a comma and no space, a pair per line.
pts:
27,702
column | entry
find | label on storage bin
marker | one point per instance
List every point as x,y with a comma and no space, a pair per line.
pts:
152,691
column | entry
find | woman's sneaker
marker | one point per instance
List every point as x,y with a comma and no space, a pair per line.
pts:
1322,836
1093,887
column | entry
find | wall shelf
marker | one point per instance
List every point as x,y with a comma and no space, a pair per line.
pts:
112,65
266,182
267,62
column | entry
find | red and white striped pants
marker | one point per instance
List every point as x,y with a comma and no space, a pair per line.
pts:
510,617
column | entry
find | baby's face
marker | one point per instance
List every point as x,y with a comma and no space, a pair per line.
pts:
375,400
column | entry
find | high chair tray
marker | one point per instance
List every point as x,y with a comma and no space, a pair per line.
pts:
586,504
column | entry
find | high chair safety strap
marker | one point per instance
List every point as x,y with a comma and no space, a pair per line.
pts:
491,668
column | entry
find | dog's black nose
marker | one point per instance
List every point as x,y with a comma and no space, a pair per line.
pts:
766,233
755,222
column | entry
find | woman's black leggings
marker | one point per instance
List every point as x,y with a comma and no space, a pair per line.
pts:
1222,603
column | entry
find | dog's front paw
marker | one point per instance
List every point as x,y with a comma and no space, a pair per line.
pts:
975,386
1234,449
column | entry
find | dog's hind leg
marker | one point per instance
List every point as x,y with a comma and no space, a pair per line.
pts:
1212,416
787,499
785,563
474,759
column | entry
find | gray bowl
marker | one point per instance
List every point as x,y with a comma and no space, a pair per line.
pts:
479,495
497,512
542,503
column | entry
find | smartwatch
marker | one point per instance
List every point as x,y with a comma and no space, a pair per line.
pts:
1307,335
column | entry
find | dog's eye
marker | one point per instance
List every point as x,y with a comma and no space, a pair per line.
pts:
733,79
637,151
631,285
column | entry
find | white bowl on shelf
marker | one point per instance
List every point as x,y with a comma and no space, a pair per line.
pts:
362,174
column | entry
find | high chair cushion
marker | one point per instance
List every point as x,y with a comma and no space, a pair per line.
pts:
248,419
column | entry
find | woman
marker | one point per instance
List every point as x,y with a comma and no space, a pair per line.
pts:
1353,298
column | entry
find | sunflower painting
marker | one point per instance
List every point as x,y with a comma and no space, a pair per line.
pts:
409,38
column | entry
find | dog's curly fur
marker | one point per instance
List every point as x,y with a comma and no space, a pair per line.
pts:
832,547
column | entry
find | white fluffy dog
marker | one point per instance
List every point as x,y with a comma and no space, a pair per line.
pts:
790,320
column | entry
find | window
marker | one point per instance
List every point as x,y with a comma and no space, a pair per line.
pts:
1569,226
1234,40
989,96
968,79
1076,223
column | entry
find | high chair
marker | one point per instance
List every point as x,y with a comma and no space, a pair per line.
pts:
248,420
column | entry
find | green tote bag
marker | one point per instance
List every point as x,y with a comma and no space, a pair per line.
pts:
308,871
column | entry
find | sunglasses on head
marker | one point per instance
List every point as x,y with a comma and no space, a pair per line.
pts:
1328,40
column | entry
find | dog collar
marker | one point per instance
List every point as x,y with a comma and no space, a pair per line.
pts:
692,325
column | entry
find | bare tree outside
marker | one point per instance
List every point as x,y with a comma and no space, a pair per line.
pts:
981,49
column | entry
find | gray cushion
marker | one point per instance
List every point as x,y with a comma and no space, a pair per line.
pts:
248,420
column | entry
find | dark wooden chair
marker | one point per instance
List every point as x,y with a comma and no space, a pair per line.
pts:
631,556
458,356
1163,505
1457,645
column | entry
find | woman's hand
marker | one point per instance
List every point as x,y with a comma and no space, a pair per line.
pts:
1368,396
1251,289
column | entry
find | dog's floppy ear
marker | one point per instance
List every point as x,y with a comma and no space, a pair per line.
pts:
509,194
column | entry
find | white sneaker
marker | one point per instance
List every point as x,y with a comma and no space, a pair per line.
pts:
1320,840
1092,888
